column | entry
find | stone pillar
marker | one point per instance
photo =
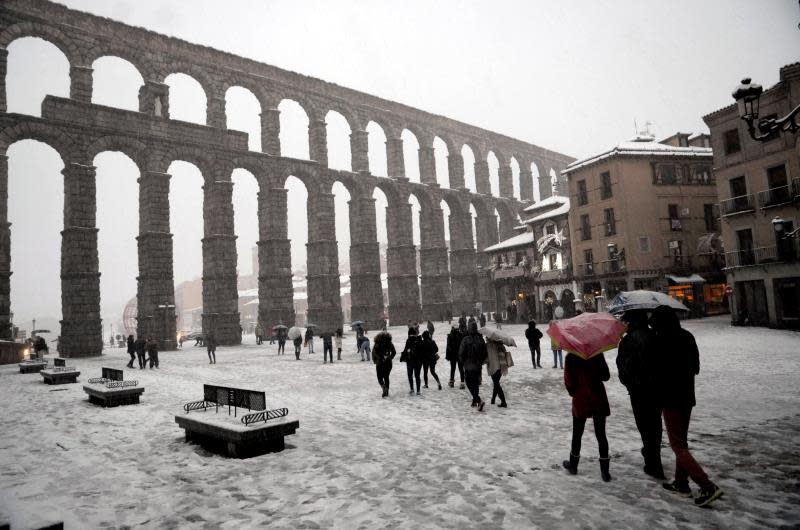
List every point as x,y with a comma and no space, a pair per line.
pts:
3,71
545,185
401,265
427,165
482,183
486,234
506,181
455,166
359,151
275,290
324,298
6,333
366,292
271,132
506,228
215,113
81,327
525,184
220,290
155,294
462,263
395,165
318,141
80,83
562,186
154,99
436,295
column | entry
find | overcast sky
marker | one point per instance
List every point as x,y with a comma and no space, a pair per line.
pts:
569,76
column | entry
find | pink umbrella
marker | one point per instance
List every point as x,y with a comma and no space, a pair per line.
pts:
587,334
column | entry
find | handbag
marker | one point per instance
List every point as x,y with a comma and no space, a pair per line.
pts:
509,359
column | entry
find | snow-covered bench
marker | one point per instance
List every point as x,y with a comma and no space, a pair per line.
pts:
59,375
112,390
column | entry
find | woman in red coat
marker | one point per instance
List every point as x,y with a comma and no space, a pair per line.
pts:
584,381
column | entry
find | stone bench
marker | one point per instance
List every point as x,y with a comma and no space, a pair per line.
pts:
111,390
30,367
60,375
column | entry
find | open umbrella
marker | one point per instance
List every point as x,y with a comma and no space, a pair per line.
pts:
498,335
629,300
356,323
294,332
279,326
311,326
587,334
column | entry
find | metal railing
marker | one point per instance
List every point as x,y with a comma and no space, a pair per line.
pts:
742,203
588,269
510,272
775,196
796,187
753,256
612,266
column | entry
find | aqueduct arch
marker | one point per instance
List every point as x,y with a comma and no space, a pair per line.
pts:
78,129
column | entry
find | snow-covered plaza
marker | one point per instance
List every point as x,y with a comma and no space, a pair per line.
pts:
431,461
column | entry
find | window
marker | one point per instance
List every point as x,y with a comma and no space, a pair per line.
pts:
738,187
553,258
611,225
586,228
549,229
745,240
710,218
702,175
731,141
644,244
605,189
778,185
666,174
588,259
674,220
583,197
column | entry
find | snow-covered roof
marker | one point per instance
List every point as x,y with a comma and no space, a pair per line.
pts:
555,200
558,206
641,146
519,240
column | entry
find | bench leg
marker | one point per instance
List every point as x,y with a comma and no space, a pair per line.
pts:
232,450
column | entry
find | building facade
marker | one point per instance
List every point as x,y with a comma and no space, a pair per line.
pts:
759,190
643,216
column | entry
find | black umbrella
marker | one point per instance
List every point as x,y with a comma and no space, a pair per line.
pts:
279,326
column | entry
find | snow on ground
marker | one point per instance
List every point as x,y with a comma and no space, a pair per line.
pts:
359,461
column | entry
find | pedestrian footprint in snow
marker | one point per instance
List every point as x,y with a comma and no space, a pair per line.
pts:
382,354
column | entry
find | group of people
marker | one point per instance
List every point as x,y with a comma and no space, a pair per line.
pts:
145,350
657,361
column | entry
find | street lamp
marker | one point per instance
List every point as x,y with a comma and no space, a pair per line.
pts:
778,227
747,96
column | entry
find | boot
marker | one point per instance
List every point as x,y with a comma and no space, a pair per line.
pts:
461,386
571,465
385,391
450,383
604,462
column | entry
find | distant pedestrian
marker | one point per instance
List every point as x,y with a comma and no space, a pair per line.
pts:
259,332
472,353
451,354
498,360
462,323
471,320
141,349
429,355
534,336
327,347
382,354
309,340
558,356
281,341
337,342
430,328
298,343
498,320
678,362
482,320
131,350
211,347
584,381
152,351
449,315
411,355
363,348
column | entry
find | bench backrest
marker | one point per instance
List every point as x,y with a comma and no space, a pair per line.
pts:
235,397
58,361
112,374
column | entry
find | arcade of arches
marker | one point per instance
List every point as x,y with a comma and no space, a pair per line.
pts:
78,129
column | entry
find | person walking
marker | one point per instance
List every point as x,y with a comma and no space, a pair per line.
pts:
558,356
211,347
152,351
327,347
584,381
462,323
309,340
472,354
411,356
131,350
337,341
482,320
258,332
363,348
678,361
281,341
298,343
430,354
498,320
498,360
141,349
451,354
382,354
637,371
534,335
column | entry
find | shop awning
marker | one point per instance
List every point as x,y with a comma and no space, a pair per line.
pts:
679,280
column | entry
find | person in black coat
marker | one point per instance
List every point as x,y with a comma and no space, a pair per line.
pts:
412,356
482,320
534,335
141,348
472,353
382,354
451,354
678,361
131,350
637,371
430,354
152,351
327,347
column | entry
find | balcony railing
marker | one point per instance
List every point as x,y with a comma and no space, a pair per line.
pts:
612,266
743,258
588,269
510,272
742,203
796,187
775,196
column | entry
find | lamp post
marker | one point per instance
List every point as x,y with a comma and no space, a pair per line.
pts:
778,227
747,96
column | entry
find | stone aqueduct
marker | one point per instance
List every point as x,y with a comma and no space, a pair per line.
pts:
78,130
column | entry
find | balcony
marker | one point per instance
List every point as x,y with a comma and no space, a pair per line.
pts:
557,274
736,205
587,269
510,272
796,188
612,266
775,197
760,255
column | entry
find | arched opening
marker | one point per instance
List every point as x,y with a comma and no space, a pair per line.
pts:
496,226
473,214
35,68
341,199
187,99
469,168
440,154
245,226
515,178
297,217
535,178
416,236
338,135
410,155
36,214
376,144
381,203
243,113
294,130
116,83
554,181
494,173
117,191
550,302
568,303
448,241
186,223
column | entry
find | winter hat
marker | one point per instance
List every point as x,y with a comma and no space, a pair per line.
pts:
426,335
